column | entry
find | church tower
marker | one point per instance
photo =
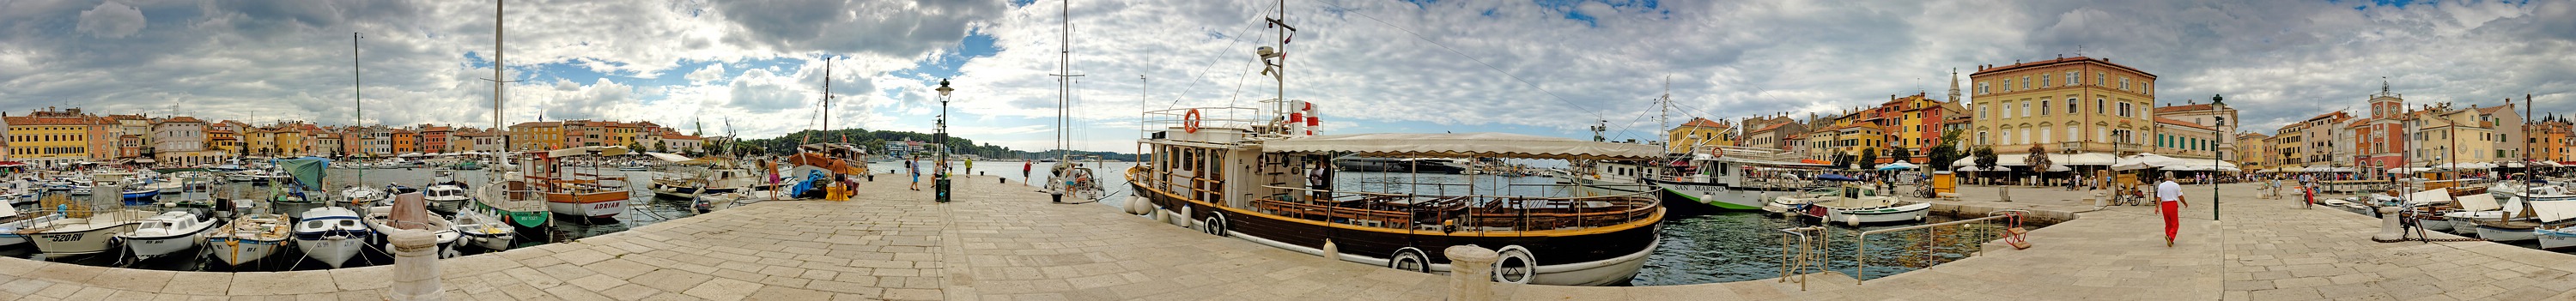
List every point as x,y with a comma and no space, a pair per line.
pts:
1954,87
2387,104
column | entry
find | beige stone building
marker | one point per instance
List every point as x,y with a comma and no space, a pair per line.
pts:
2215,115
2090,104
2444,135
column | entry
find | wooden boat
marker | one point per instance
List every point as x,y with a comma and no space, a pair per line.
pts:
483,230
1852,206
249,238
410,212
586,192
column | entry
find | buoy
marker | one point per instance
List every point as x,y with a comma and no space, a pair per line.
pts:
1138,205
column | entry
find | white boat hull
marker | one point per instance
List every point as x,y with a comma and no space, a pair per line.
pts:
334,251
591,210
495,242
80,242
2502,234
1907,213
155,247
12,239
2436,225
245,251
2554,239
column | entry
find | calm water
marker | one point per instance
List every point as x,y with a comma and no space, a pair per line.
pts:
644,210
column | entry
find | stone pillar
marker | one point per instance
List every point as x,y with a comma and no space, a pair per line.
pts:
1471,275
2388,226
415,266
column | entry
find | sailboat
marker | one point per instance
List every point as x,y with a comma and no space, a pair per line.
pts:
521,207
1067,177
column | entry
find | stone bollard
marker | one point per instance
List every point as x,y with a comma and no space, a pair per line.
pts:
1471,275
2388,228
415,266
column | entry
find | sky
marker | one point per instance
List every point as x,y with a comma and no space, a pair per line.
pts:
1551,67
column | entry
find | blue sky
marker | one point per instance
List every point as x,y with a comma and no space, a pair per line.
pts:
1552,67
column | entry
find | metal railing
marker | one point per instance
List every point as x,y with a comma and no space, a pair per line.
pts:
1804,254
1975,235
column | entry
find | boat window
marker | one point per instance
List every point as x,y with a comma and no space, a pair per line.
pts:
313,224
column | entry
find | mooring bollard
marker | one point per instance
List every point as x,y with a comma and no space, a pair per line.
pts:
415,266
2388,227
1471,272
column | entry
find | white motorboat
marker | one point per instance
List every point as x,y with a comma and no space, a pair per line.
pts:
382,219
248,238
331,234
483,230
11,221
446,196
82,235
363,195
1852,207
167,233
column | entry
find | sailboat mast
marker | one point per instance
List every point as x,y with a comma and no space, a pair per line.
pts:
1064,83
827,94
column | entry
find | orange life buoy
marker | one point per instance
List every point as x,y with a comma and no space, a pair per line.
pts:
1190,121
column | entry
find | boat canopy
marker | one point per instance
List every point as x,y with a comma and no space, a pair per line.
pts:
668,157
1465,145
587,150
306,170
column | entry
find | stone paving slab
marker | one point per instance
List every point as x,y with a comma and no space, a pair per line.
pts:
1003,241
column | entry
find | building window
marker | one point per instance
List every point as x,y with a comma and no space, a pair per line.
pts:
2071,108
2008,87
2025,82
2124,83
2025,108
2074,79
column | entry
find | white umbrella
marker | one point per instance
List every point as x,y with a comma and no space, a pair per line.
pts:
1968,168
1896,166
2055,167
2146,161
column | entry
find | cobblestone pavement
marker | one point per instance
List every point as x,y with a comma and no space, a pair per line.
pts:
1005,242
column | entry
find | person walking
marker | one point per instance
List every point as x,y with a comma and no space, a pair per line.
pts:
970,166
914,166
1025,166
2169,195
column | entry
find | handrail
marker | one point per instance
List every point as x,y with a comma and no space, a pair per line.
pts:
1861,272
1808,254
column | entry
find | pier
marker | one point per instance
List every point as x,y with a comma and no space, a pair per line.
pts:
1004,241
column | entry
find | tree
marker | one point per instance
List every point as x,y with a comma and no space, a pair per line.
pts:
1902,154
662,146
1986,162
1868,158
1944,152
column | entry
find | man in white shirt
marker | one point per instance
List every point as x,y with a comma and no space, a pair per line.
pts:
2169,196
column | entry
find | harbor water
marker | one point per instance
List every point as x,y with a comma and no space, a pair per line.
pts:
1723,247
643,208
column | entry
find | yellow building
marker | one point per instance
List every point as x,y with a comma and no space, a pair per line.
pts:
1698,132
52,137
530,136
2253,159
2444,136
2090,104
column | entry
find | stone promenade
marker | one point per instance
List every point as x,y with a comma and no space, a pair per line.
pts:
1005,242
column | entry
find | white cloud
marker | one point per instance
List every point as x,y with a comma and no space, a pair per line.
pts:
111,20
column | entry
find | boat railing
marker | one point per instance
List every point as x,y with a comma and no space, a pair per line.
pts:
1802,253
1974,233
1464,212
1206,117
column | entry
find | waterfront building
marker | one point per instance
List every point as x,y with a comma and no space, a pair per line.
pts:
2253,158
678,143
2320,141
538,135
404,141
2507,122
1770,131
137,127
434,139
2090,104
1913,122
1698,132
52,138
2184,139
180,141
2444,135
260,141
2215,115
2380,141
2549,139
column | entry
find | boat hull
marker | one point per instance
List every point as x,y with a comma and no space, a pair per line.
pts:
1856,217
2492,233
79,242
591,210
495,242
156,246
2555,240
1596,258
232,251
1687,196
334,251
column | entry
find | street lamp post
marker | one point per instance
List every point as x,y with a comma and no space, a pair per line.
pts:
939,185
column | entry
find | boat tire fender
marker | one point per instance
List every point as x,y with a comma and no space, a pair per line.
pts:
1215,224
1409,259
1514,264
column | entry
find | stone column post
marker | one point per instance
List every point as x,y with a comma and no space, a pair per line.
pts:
2388,226
1471,275
415,266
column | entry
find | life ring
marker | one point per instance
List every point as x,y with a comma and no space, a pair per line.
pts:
1190,121
1215,224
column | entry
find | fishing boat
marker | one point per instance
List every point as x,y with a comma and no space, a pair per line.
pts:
691,178
814,166
248,238
483,230
302,182
331,234
82,235
363,195
167,233
1231,177
1849,205
569,190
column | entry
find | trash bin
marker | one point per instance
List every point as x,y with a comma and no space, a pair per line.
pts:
940,189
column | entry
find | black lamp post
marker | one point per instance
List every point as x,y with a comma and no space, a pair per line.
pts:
939,182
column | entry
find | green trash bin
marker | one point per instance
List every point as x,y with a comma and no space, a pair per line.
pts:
940,189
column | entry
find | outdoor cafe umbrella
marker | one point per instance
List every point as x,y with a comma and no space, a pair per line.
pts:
1896,166
2146,161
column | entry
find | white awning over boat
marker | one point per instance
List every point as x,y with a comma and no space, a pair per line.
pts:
588,150
2550,212
667,156
1463,145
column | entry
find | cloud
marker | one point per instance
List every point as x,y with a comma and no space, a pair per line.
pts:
711,73
111,20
